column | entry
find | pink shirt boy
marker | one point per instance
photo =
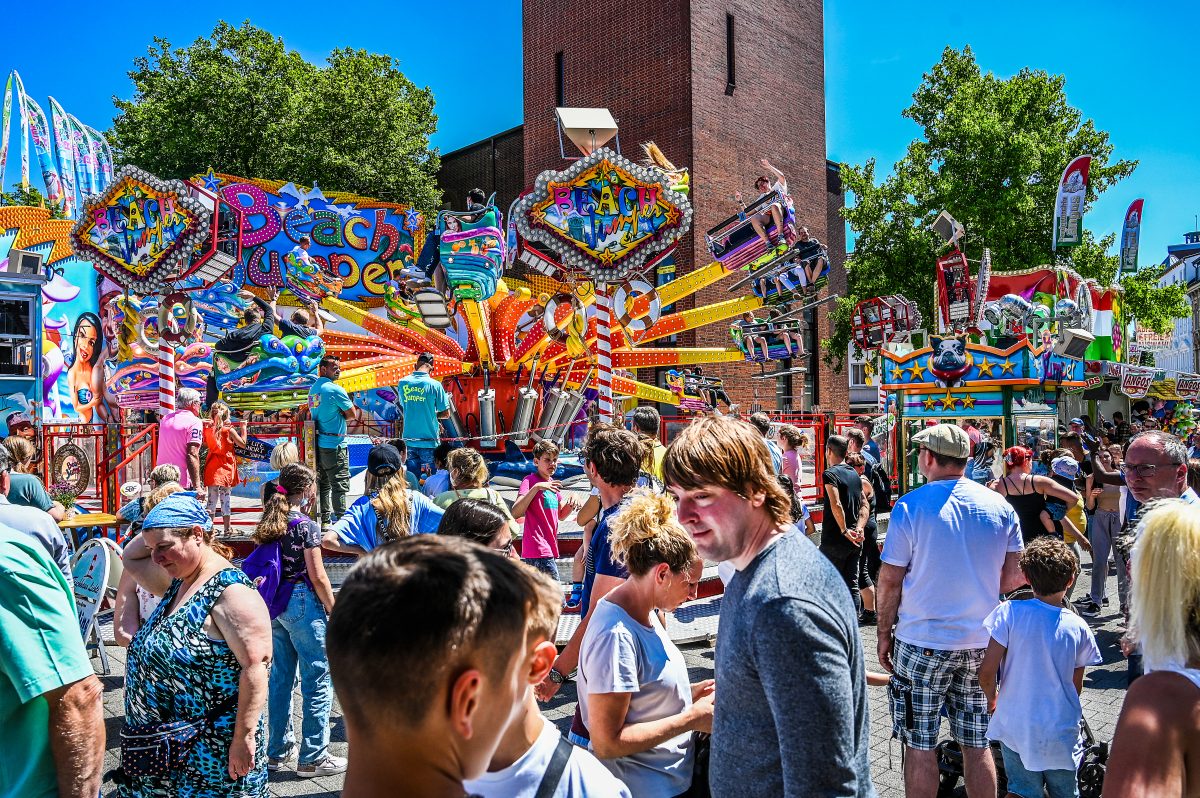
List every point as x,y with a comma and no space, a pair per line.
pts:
540,538
176,431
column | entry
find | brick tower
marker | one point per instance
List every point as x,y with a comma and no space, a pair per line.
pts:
718,86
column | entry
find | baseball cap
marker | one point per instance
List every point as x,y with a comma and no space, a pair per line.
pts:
18,419
384,459
1065,466
1077,421
424,358
947,440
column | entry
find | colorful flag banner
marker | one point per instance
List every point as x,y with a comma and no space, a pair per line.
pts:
5,120
1131,231
64,148
104,158
34,119
1068,205
24,130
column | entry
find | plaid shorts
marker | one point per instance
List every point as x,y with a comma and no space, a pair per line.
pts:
926,679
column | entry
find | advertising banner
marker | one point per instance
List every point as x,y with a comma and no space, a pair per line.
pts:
1068,205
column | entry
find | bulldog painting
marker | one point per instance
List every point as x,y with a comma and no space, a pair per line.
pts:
950,361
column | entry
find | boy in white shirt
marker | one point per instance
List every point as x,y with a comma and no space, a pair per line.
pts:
532,750
1040,650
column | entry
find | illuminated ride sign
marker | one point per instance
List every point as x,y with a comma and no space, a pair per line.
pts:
605,216
142,231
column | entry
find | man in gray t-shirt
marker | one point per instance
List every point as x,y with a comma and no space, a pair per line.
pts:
791,705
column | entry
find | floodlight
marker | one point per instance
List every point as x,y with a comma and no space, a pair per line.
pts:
587,128
1073,343
24,262
947,227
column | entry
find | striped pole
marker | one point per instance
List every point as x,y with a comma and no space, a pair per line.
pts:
604,321
166,377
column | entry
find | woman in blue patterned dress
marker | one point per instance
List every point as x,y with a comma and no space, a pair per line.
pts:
208,641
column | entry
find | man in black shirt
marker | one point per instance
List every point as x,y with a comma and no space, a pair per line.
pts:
304,321
845,516
236,344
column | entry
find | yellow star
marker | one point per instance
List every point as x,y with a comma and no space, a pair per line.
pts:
1006,367
918,371
930,403
948,401
897,374
968,402
985,368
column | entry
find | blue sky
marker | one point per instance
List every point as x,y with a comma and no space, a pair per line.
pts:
1125,67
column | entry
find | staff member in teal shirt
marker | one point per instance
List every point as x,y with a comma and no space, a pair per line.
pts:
329,406
424,403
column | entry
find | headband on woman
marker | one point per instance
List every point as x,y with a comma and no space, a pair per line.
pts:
178,510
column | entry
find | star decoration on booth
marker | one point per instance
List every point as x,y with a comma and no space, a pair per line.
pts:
412,219
897,374
968,402
948,402
918,371
1006,367
211,181
986,368
930,403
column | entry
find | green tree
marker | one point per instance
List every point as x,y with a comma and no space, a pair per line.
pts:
29,196
990,152
241,102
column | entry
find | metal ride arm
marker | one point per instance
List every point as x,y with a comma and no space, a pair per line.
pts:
646,358
415,337
477,323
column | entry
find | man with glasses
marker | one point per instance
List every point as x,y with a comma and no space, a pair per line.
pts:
1155,468
952,547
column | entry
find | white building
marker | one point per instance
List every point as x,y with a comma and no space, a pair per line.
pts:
1183,266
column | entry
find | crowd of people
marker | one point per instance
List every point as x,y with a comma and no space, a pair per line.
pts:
440,644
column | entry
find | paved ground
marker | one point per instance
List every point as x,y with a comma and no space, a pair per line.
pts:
1104,690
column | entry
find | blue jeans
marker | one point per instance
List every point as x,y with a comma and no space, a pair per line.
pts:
298,638
546,565
1029,783
418,458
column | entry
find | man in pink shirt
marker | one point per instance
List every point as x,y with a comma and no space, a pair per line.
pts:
180,434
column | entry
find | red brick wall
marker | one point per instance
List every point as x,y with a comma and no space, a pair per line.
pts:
495,164
661,69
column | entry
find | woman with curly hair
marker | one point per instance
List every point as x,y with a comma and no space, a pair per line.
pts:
388,511
298,633
637,701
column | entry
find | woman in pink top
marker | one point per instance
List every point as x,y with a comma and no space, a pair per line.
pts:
541,504
791,440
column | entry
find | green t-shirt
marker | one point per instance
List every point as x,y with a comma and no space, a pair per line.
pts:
40,651
28,491
327,400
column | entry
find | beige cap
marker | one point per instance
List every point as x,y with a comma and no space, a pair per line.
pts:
945,439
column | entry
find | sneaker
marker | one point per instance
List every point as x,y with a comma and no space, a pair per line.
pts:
1105,601
869,618
1087,608
328,766
576,597
277,763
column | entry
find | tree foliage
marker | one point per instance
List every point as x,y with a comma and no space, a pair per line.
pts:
241,102
29,196
990,152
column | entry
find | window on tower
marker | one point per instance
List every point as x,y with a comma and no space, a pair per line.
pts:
730,68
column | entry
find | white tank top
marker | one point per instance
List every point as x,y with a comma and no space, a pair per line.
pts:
1191,674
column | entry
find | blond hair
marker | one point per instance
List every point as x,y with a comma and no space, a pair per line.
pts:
283,454
21,449
163,474
467,469
391,507
219,413
647,533
728,453
1165,603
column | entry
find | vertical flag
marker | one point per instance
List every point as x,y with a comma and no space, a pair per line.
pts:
1068,205
85,162
64,148
24,131
33,118
1131,231
104,158
5,120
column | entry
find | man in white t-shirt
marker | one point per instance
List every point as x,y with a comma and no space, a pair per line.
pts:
952,547
532,751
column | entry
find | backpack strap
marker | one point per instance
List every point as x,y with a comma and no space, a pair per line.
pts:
556,768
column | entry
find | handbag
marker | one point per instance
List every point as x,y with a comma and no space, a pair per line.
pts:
156,749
